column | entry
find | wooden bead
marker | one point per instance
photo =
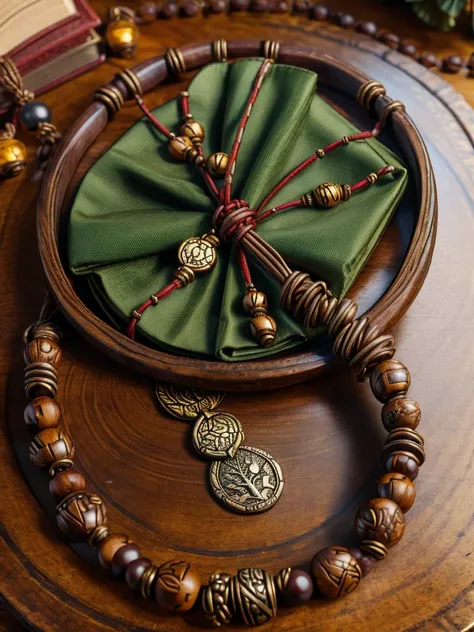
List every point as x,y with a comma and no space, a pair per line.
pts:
67,482
388,379
404,463
264,329
401,412
328,194
134,572
12,157
297,589
50,445
109,547
121,37
363,560
398,488
217,164
79,515
382,520
43,350
194,131
179,147
42,413
335,571
452,64
177,586
122,558
368,28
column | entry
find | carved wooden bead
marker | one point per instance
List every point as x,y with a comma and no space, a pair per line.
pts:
193,130
255,302
264,329
109,547
79,514
401,412
179,147
67,482
328,194
122,558
363,560
42,413
43,350
335,571
404,463
382,520
177,586
51,445
217,164
399,488
135,571
12,157
297,589
389,378
121,37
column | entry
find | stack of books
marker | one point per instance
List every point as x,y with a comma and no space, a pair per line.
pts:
50,41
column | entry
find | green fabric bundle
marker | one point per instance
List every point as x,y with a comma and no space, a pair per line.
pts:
136,205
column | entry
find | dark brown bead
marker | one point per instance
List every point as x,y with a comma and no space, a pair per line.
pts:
239,5
147,11
218,6
168,10
364,561
67,482
403,463
42,413
51,445
79,514
382,520
335,571
122,558
298,590
452,64
259,6
399,488
319,13
345,20
401,412
109,547
189,9
177,586
134,572
407,48
388,38
428,60
388,379
368,28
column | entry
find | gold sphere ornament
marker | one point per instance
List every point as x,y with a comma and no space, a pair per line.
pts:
194,131
12,157
121,37
179,147
217,164
328,194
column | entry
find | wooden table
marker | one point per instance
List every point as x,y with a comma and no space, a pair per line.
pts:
327,433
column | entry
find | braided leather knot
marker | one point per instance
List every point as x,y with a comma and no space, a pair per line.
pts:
234,220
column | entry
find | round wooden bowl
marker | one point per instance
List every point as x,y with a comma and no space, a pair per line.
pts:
384,297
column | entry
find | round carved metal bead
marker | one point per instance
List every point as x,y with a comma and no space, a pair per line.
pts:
388,379
109,547
363,560
79,514
217,164
216,600
67,482
403,462
179,147
42,413
401,412
254,596
177,586
398,488
264,329
135,571
122,558
194,131
328,194
34,113
43,350
382,520
121,37
294,586
50,445
12,157
335,571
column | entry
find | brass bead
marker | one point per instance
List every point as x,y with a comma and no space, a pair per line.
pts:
264,329
255,303
121,37
179,147
217,164
194,131
328,194
12,157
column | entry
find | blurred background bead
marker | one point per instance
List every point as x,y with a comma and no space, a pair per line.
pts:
66,482
34,113
380,519
50,445
335,571
363,560
122,558
399,488
134,572
42,413
109,546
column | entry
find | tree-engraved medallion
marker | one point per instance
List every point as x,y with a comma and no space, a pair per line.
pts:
198,254
250,482
186,403
217,435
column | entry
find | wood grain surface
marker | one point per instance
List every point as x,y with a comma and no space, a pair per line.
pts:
326,433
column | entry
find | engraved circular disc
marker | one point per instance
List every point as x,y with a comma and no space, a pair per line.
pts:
217,435
186,403
250,482
198,254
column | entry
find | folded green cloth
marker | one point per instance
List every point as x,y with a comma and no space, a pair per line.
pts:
136,205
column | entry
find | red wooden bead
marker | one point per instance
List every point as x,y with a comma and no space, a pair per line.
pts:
122,558
134,572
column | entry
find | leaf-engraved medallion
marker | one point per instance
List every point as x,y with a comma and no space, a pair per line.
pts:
217,435
250,482
186,403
